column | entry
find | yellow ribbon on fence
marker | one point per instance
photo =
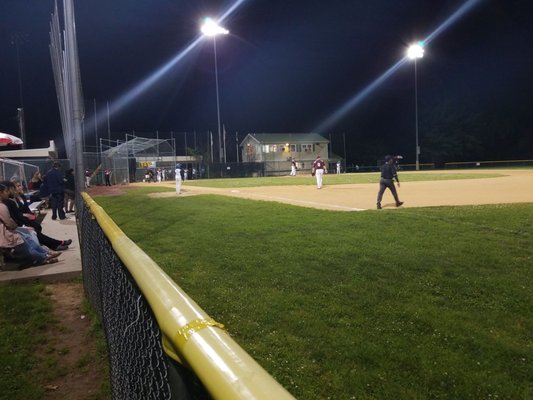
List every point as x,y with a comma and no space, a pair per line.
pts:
192,327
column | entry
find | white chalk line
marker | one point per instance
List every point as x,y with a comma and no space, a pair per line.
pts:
288,200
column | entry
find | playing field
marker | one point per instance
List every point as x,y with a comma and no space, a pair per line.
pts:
513,186
400,303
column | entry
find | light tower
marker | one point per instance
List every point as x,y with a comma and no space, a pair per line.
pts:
211,29
414,52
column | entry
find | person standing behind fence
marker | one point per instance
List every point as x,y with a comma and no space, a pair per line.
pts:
319,168
56,186
338,167
88,178
107,176
36,181
178,172
70,190
388,175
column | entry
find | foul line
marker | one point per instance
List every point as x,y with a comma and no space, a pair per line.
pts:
287,200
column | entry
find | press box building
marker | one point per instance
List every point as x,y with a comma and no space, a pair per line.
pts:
277,150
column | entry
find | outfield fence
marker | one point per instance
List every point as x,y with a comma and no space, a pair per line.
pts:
161,344
489,164
447,165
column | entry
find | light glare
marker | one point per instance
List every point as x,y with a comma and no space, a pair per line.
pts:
415,51
211,28
359,97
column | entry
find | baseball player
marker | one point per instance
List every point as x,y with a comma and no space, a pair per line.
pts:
293,168
319,166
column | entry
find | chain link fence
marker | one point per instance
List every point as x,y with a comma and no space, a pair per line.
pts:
161,344
139,368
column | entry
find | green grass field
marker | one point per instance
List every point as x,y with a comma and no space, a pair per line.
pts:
426,303
25,311
334,179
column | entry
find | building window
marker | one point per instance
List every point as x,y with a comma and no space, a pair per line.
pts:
292,148
307,148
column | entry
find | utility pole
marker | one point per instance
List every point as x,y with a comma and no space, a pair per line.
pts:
344,141
95,124
237,145
17,39
108,125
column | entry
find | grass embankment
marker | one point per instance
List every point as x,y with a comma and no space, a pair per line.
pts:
30,354
25,312
407,304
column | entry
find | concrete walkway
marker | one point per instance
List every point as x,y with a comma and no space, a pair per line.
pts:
69,265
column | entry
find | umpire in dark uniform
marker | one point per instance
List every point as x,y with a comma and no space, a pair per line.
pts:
388,175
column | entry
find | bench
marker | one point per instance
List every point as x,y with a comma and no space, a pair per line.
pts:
7,263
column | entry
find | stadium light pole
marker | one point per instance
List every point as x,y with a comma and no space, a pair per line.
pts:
211,29
414,52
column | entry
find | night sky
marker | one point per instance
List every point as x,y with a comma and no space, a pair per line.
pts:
287,66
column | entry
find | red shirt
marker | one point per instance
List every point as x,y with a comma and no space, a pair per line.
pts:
318,164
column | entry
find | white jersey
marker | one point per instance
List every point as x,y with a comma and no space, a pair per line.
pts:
178,180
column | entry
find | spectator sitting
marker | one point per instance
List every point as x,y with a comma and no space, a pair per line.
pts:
18,245
22,215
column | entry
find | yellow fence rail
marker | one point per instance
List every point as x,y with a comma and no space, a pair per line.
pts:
190,336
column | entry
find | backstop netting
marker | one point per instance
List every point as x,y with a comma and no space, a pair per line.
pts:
17,170
129,160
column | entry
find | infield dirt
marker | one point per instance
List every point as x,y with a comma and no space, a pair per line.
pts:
514,186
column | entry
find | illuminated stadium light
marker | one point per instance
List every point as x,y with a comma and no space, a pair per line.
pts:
211,28
415,51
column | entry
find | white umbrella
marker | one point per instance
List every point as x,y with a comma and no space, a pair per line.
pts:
9,140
